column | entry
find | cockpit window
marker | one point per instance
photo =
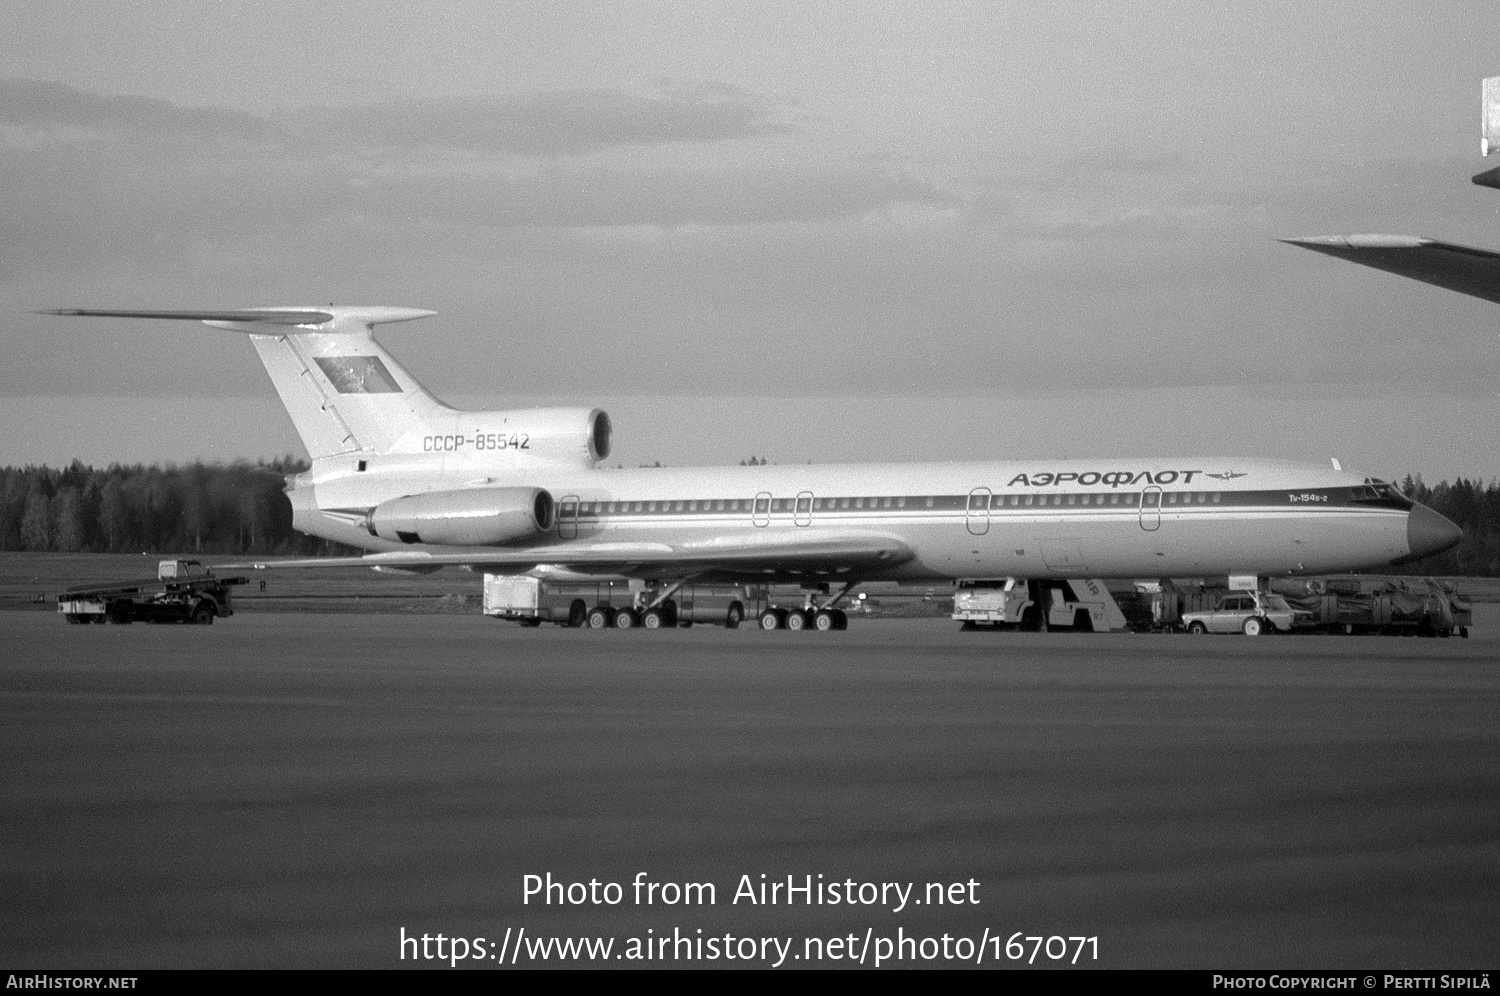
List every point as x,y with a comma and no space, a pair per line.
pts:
1375,492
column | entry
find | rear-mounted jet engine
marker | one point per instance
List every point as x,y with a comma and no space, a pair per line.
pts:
472,517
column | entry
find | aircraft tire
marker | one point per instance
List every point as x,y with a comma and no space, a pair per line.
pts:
770,619
1197,629
734,616
600,618
653,619
823,621
626,619
578,613
796,620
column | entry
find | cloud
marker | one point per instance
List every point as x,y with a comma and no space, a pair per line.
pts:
767,263
38,108
109,181
541,124
735,194
548,124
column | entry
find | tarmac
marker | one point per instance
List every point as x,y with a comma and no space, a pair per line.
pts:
306,790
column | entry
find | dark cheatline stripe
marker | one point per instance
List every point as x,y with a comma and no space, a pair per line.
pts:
1320,499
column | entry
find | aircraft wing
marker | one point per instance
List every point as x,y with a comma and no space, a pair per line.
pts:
764,554
1457,268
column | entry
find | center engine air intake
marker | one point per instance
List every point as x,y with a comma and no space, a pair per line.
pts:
472,517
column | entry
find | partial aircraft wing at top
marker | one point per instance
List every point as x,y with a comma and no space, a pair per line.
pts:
1457,268
264,316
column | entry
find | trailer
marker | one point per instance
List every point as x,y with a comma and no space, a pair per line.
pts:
1080,604
1351,604
183,591
1391,606
618,603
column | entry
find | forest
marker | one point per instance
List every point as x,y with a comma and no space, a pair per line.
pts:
236,508
239,508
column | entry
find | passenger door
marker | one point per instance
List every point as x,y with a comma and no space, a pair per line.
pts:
761,513
803,513
977,517
1151,509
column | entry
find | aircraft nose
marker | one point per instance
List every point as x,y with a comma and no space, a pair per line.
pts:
1427,532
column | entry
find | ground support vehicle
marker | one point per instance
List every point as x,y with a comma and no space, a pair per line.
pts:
1391,606
1253,613
618,603
1082,605
182,591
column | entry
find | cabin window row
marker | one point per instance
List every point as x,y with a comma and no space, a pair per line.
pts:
1112,498
802,504
960,502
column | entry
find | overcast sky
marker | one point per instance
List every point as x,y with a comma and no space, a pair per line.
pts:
808,231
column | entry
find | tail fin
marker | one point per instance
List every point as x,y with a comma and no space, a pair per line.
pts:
343,391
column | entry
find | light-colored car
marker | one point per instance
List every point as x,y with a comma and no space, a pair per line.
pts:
1248,612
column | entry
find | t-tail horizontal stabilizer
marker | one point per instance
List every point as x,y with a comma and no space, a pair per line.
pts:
340,319
265,316
1457,268
343,391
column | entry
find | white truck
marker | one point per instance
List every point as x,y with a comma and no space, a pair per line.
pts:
1080,604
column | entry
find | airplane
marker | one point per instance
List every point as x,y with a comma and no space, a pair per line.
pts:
421,486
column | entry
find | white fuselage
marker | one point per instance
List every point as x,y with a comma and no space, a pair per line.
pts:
1034,518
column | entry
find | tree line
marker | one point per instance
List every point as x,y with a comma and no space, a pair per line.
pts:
236,508
239,508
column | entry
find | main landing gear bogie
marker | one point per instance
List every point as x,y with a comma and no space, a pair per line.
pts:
816,620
